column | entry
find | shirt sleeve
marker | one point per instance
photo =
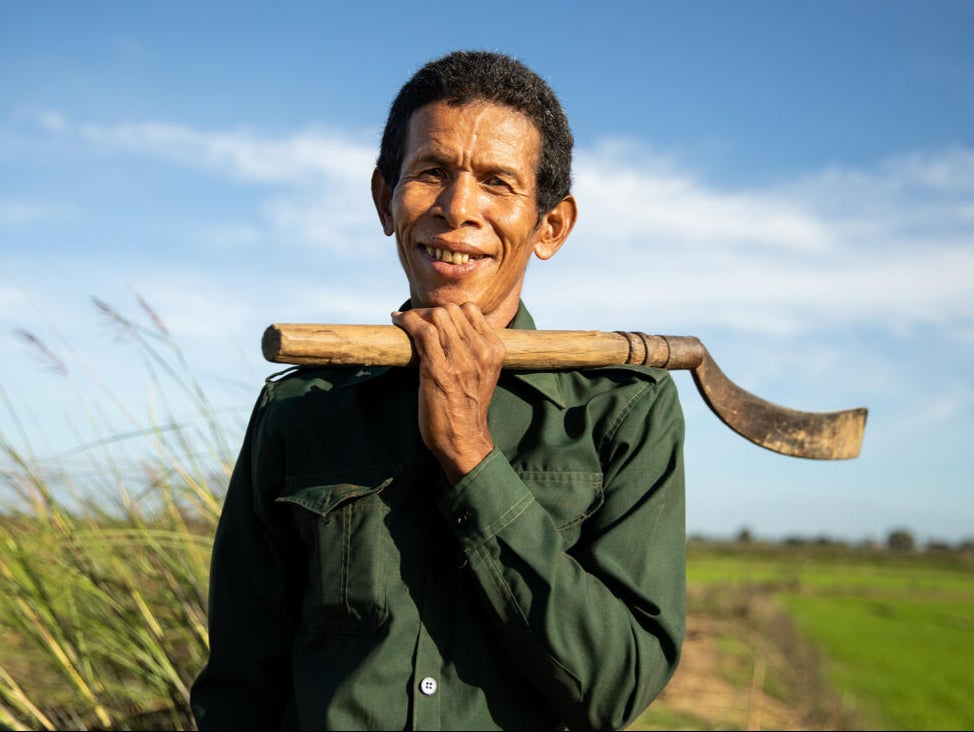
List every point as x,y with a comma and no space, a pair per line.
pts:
245,683
598,627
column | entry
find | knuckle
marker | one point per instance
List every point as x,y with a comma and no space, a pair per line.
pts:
440,315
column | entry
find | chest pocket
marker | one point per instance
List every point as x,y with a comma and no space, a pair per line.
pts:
569,497
343,524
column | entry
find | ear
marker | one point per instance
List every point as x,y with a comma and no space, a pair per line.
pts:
382,198
554,228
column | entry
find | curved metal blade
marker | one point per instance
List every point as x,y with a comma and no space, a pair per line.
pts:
816,435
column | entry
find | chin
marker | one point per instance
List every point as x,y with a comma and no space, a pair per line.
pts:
440,298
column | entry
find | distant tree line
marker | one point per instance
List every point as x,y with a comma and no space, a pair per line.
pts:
899,540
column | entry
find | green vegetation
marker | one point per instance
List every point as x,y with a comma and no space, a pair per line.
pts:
905,654
894,630
104,569
102,619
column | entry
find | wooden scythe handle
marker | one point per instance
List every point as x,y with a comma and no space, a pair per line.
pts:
817,435
386,345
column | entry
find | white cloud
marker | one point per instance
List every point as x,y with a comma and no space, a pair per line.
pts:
230,236
15,212
50,120
889,247
319,179
952,172
622,205
339,218
300,158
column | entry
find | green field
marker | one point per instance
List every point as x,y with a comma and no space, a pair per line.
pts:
894,631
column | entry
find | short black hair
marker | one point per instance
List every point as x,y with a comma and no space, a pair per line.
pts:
462,77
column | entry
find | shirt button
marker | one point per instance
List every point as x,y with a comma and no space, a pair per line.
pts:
428,686
461,519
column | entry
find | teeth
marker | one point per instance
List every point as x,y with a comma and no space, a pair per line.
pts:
445,255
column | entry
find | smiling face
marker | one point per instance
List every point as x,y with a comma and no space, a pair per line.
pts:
464,211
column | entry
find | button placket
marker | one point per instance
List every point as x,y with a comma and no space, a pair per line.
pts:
426,688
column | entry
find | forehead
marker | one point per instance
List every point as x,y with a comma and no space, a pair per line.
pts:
476,131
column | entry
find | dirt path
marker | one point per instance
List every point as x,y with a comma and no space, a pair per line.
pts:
717,688
700,687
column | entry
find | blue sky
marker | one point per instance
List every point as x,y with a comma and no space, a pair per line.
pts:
793,183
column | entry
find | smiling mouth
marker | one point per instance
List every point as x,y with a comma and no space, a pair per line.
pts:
445,255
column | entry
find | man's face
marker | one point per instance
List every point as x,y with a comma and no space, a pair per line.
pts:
464,211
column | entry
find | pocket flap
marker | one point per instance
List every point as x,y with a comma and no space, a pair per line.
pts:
324,492
569,496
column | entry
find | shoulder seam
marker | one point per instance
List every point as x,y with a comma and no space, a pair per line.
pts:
621,417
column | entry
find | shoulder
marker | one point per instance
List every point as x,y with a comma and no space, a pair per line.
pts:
301,380
615,402
299,393
636,400
621,381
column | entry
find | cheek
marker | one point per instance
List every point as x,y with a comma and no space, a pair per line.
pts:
410,201
519,224
400,209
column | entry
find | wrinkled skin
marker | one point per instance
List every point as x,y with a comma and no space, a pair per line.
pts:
465,218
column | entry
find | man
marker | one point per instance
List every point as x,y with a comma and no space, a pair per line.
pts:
454,546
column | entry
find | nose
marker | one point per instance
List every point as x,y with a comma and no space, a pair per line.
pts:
459,201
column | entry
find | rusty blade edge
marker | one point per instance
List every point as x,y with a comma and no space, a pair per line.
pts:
814,435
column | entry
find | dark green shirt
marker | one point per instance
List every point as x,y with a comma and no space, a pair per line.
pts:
353,588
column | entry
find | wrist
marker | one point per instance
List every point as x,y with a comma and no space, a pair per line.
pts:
458,464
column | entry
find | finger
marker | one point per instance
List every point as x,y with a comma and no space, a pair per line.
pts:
477,320
422,331
491,344
455,333
423,313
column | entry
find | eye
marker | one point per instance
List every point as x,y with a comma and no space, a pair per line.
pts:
496,181
434,172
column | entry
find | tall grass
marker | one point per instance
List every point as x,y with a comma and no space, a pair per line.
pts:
104,571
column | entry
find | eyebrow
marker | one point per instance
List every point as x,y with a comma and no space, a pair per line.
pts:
434,156
429,156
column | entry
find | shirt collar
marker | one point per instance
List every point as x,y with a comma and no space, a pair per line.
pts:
545,382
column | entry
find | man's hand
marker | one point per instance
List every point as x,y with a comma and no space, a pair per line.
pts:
460,360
